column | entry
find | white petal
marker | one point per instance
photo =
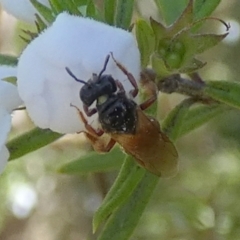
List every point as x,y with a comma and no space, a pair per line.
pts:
9,97
7,71
22,9
5,125
4,155
82,45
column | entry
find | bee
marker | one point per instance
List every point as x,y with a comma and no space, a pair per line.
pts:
125,122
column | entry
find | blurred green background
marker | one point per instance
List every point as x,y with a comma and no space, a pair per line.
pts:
200,203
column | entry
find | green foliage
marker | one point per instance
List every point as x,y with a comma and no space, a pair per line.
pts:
109,11
8,60
146,41
124,13
30,141
225,92
91,10
171,9
175,119
176,45
200,115
135,204
94,162
116,200
203,8
44,11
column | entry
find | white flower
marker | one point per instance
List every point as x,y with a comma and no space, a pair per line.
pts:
81,44
9,99
22,9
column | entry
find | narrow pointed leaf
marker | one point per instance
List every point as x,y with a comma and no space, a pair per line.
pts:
125,170
121,224
202,42
200,115
80,2
159,29
8,60
12,80
91,11
72,7
120,196
56,6
192,66
109,11
171,9
225,92
159,66
45,12
94,162
146,41
203,8
172,124
41,25
185,19
124,13
30,141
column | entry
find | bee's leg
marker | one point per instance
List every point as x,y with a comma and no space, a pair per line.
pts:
95,132
130,77
110,145
89,112
148,102
120,86
149,86
98,144
143,105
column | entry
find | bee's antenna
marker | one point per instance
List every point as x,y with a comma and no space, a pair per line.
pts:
104,66
74,77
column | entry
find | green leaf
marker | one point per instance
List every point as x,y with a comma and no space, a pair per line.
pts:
200,115
41,25
172,124
159,66
185,19
72,7
45,12
8,60
192,65
126,169
80,2
120,196
146,41
124,13
171,9
30,141
91,10
203,8
124,220
56,6
94,162
159,30
202,42
12,80
109,11
223,91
